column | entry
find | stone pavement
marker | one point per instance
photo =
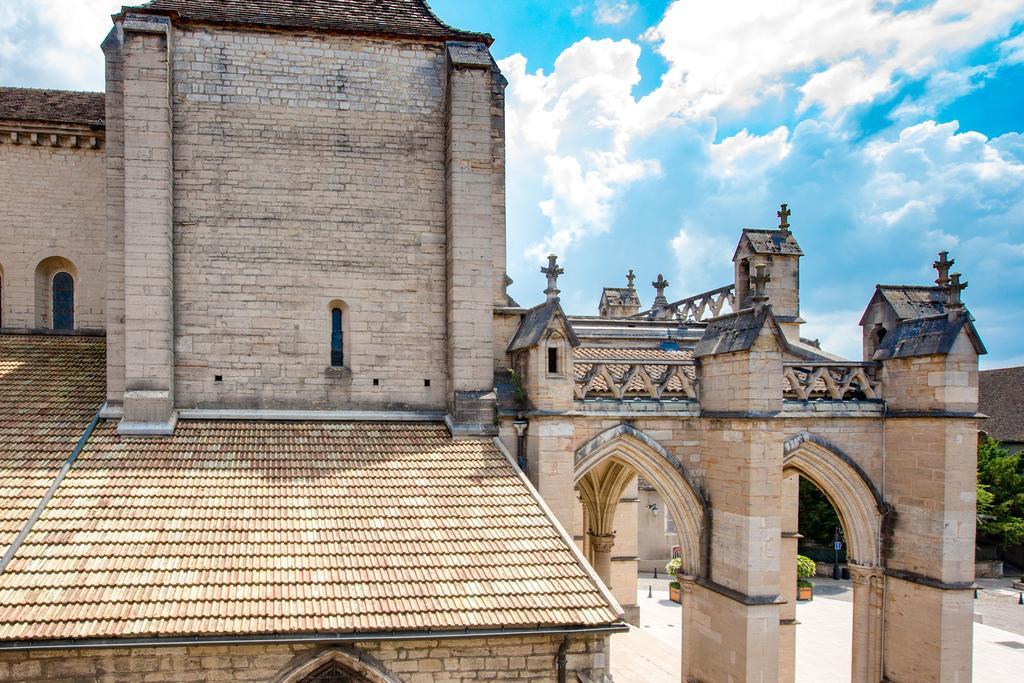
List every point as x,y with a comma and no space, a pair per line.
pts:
650,653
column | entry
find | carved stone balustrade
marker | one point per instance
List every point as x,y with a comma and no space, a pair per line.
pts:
699,307
628,379
837,381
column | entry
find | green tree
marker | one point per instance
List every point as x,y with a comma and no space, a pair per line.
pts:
818,519
1000,495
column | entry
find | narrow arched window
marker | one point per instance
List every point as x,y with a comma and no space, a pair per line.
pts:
63,301
337,339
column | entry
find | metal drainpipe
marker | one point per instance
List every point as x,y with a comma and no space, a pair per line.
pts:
562,650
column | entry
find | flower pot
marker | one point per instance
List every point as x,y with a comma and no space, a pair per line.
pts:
804,593
675,595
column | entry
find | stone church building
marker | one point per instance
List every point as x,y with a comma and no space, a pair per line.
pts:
267,412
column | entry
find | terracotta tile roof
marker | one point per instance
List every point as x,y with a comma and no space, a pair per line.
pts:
1001,397
638,354
231,528
53,106
50,387
412,18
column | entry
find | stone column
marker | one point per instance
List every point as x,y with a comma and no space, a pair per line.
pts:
601,546
148,226
687,584
469,174
737,603
551,466
787,577
868,582
930,478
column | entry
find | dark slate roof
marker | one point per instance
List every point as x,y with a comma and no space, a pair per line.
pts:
910,301
53,106
401,18
620,296
928,337
771,242
536,322
737,332
1001,397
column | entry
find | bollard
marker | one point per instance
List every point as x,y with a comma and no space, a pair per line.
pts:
649,593
975,592
655,572
1020,600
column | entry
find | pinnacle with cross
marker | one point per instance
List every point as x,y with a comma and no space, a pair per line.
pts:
552,271
631,279
943,265
953,289
660,285
760,282
784,215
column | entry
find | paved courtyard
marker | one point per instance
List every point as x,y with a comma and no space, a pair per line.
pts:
650,653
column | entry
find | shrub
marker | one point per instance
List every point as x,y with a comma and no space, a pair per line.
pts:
804,583
805,567
675,585
674,565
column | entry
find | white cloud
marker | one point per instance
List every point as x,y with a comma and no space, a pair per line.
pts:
748,154
613,12
54,43
837,331
1013,49
702,260
736,53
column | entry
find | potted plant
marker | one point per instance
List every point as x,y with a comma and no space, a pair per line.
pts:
675,593
805,569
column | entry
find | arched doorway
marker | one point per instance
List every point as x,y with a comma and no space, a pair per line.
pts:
861,510
604,468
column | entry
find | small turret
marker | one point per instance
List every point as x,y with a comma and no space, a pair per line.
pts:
620,302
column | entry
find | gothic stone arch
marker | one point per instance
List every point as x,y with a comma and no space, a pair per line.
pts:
851,492
655,464
357,664
861,509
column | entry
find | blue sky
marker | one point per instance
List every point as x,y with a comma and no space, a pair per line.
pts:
645,133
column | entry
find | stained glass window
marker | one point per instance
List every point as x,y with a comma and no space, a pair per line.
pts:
63,302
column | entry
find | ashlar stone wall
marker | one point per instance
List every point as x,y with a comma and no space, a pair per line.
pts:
52,207
521,658
308,170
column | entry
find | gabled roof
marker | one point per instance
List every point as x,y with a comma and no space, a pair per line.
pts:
53,106
395,18
252,528
738,332
909,301
537,321
1001,397
619,296
763,241
928,337
50,388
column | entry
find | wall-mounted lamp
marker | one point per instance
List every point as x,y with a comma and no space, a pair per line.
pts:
653,507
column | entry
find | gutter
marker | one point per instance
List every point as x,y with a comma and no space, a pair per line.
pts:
364,636
58,480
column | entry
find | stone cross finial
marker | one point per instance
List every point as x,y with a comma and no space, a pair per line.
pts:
760,282
631,278
953,289
552,271
660,285
943,265
784,215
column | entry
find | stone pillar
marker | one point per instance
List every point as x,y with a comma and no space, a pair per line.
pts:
736,605
469,174
930,477
868,592
787,577
687,584
601,546
624,556
112,50
148,226
550,465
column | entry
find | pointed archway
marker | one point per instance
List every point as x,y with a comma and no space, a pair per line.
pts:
336,665
861,510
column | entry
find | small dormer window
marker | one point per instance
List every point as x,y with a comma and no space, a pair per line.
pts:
553,360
